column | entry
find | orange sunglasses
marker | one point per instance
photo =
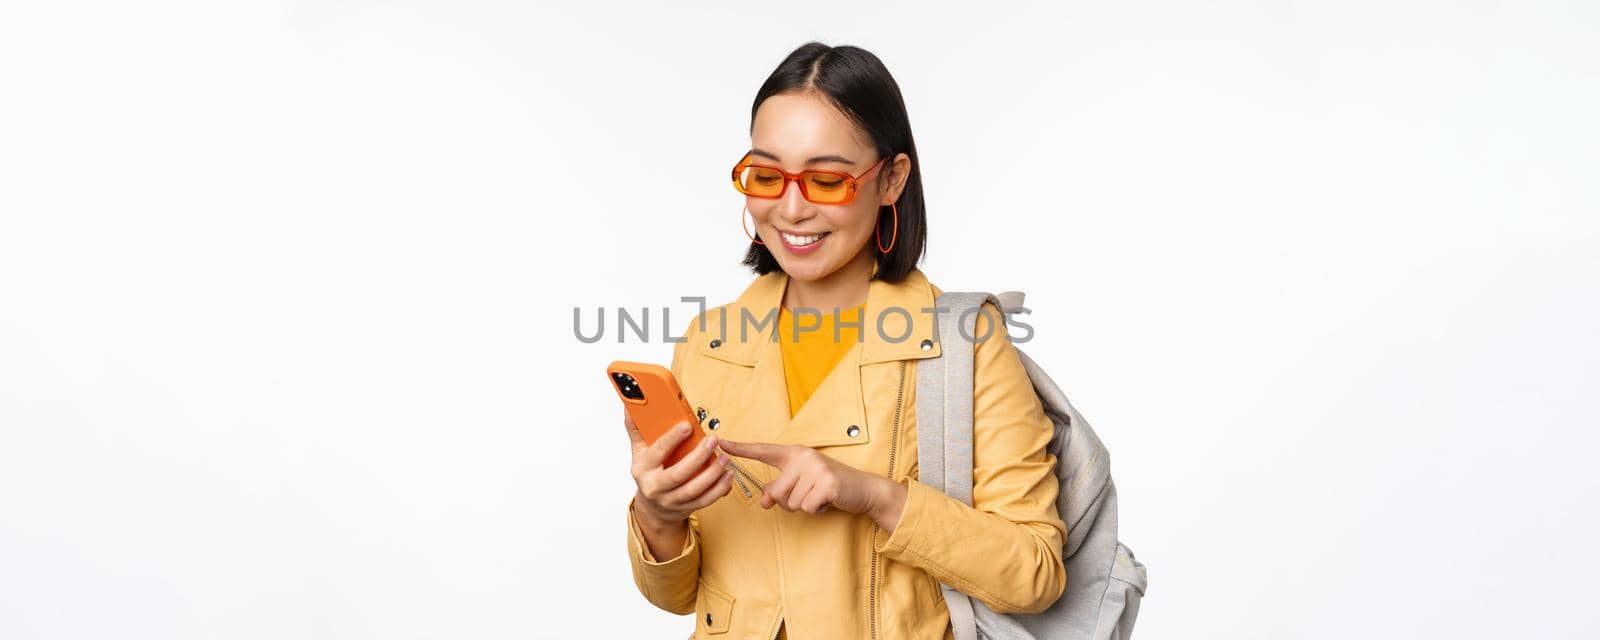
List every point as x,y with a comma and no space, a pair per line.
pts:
816,185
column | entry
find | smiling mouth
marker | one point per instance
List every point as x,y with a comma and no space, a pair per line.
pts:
802,241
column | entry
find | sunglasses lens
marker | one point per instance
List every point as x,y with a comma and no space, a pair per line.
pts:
826,188
760,182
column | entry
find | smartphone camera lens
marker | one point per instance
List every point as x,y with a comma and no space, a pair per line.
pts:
628,386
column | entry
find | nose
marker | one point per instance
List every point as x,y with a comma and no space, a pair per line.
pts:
792,207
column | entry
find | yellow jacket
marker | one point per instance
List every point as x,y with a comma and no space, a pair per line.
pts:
744,569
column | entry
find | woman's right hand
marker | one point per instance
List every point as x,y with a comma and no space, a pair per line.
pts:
667,495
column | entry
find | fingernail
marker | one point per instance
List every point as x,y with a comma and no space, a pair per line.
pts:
723,460
710,442
683,429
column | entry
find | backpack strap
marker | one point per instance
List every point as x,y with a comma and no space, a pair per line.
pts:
944,420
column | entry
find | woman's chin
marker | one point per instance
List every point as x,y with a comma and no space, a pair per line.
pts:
806,270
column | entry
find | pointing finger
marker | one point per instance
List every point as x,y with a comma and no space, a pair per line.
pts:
777,492
773,454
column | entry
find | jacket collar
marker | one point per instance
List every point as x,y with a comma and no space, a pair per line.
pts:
898,319
837,412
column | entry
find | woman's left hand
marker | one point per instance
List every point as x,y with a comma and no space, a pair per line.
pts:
811,482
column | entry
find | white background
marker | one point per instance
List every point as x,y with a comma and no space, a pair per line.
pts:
286,293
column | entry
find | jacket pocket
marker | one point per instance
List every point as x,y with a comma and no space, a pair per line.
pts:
713,610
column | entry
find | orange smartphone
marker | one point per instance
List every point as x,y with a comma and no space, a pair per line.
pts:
656,404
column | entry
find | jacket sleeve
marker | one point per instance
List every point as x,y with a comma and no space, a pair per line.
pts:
1004,549
670,584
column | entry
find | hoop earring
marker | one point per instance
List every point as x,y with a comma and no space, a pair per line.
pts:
877,235
747,229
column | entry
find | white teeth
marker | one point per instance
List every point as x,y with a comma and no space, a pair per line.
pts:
801,241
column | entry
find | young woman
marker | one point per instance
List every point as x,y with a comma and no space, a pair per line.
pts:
820,529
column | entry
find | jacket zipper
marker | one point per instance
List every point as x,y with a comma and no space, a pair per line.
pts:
740,481
894,445
779,628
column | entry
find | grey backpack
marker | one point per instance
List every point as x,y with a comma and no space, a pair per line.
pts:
1104,581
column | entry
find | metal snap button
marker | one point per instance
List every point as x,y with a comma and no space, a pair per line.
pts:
853,431
700,412
713,424
927,345
716,342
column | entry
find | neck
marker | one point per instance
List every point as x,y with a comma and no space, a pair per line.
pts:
845,288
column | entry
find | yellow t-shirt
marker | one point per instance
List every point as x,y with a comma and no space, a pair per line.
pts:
809,355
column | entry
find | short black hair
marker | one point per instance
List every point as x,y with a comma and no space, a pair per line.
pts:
859,85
